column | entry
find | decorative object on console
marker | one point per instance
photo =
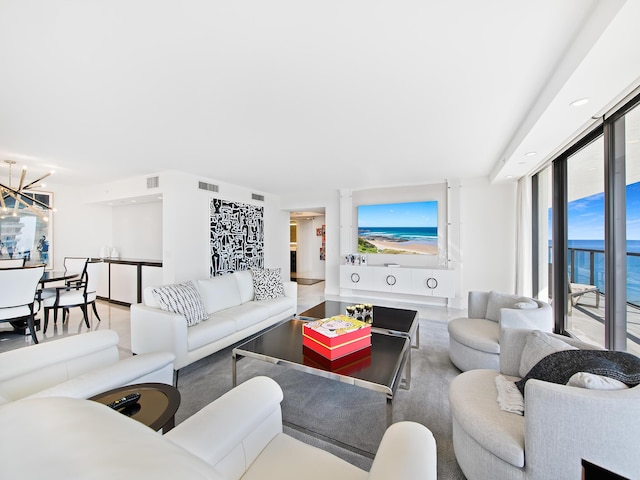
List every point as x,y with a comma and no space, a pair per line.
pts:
361,312
337,336
236,238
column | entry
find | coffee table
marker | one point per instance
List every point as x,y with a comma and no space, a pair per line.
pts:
158,404
386,320
380,370
392,321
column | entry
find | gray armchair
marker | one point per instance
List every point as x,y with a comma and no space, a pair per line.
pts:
561,424
474,341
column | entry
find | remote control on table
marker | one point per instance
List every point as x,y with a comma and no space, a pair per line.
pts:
125,401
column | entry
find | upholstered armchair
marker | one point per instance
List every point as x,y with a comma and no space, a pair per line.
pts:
238,436
474,341
563,423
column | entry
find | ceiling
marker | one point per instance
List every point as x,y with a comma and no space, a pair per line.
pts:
290,96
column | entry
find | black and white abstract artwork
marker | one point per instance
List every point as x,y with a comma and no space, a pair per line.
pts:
237,237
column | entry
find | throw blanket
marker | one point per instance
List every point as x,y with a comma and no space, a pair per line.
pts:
558,367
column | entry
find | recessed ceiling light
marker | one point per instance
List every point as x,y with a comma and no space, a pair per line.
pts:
509,176
522,163
579,102
530,154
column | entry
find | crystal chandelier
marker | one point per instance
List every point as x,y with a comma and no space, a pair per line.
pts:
12,199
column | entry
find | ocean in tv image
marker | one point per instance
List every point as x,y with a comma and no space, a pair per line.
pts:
398,228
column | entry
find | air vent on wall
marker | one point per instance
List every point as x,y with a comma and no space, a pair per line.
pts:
153,182
255,196
207,186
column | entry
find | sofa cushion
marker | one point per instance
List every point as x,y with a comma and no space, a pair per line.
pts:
219,293
537,346
245,285
499,432
209,331
286,458
182,298
476,333
267,283
245,315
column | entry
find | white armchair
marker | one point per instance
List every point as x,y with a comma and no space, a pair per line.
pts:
79,366
238,436
474,341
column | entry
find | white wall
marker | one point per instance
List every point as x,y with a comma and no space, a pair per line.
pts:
79,227
488,236
137,230
479,218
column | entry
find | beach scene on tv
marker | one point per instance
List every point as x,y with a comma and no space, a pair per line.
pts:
398,228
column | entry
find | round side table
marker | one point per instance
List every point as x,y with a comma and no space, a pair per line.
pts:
156,407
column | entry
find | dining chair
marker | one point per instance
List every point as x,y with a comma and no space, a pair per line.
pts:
77,293
18,296
12,262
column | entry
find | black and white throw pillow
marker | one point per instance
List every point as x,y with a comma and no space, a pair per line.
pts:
267,284
182,298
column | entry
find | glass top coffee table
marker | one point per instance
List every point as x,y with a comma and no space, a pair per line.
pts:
378,367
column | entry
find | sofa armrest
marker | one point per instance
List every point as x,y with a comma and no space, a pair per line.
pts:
540,318
596,425
291,291
155,330
230,432
407,451
137,369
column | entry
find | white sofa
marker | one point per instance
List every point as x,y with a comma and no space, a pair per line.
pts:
237,436
474,340
233,315
561,425
79,366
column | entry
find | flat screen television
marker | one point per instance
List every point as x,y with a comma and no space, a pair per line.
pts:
398,228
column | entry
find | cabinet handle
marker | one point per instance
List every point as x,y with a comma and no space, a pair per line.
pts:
431,283
391,280
355,278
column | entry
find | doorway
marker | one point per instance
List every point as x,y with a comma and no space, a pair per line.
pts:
307,246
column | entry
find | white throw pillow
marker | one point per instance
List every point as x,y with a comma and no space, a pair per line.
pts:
537,346
182,298
595,382
497,301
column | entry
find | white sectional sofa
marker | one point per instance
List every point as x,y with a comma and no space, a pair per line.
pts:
237,436
79,366
233,313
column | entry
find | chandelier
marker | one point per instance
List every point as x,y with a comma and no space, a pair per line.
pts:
12,199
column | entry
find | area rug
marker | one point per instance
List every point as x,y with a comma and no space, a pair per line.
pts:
346,420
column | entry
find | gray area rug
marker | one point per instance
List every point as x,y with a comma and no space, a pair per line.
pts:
346,420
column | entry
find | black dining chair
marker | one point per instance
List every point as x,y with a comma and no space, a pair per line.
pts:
18,296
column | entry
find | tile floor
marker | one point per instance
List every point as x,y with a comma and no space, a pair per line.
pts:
116,317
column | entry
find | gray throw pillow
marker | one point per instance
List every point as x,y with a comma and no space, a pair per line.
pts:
497,301
537,346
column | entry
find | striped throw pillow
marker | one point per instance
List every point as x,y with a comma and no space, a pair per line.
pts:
182,298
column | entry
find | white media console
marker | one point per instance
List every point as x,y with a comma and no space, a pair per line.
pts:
432,282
